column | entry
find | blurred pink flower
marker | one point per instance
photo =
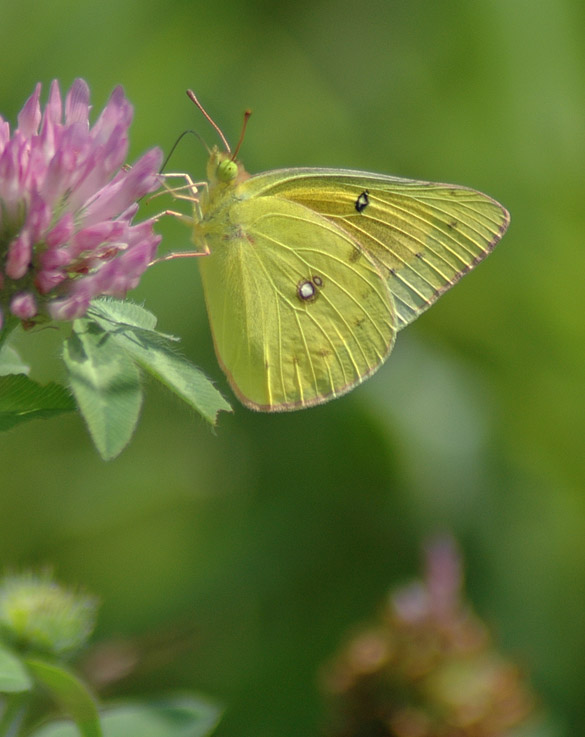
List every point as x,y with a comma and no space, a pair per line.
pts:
427,667
67,204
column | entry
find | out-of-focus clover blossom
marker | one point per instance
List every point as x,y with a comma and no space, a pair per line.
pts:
67,205
428,668
38,614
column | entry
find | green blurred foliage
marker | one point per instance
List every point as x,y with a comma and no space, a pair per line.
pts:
272,537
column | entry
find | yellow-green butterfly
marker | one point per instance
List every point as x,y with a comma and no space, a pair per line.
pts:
309,274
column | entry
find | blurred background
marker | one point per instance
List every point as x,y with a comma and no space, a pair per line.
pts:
238,560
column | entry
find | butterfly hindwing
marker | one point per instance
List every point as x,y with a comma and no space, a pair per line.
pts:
423,236
299,312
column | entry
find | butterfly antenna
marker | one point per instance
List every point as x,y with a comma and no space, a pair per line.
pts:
176,143
193,98
242,134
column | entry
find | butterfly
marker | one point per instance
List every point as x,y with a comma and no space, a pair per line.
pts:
309,274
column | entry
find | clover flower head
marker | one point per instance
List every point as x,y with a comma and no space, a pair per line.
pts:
67,205
39,614
427,667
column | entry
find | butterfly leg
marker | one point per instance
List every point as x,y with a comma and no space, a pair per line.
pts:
193,189
188,220
180,254
190,186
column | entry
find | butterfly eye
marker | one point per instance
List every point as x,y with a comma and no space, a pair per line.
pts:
227,170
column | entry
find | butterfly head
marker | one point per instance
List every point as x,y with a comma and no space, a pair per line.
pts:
227,170
223,169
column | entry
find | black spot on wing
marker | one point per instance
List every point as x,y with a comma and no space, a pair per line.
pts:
362,201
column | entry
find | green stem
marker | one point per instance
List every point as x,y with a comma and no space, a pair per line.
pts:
15,708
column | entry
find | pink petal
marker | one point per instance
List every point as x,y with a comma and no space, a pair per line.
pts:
51,125
19,256
61,232
29,117
69,308
54,258
54,107
91,237
77,104
126,188
46,280
117,111
38,218
4,133
23,306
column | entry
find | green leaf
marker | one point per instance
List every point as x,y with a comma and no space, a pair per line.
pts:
10,362
106,385
13,675
22,399
115,311
175,372
157,355
180,717
71,694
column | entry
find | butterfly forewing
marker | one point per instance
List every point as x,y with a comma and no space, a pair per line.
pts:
299,312
423,236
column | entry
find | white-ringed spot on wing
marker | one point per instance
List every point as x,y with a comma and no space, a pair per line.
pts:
308,289
362,201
